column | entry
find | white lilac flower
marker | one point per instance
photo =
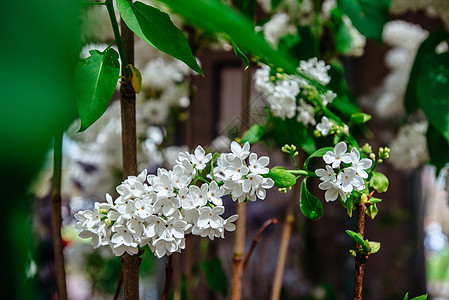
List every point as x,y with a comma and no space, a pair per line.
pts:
326,175
333,190
339,155
360,165
324,126
240,152
350,180
316,69
200,159
258,166
305,113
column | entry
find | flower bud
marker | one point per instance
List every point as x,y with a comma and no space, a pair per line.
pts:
372,156
108,222
367,148
364,198
103,211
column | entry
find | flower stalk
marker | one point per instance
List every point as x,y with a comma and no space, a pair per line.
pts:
360,258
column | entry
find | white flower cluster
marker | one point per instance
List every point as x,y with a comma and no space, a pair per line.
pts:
404,38
433,8
283,91
409,148
159,210
348,178
276,28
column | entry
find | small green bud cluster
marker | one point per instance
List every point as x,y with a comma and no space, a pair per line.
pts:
384,153
290,149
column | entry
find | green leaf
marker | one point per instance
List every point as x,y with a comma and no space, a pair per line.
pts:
374,200
215,275
372,211
216,17
357,237
310,205
375,247
156,29
349,205
318,153
247,7
438,148
368,16
254,134
425,51
281,177
431,90
422,297
95,82
274,4
240,54
359,118
379,182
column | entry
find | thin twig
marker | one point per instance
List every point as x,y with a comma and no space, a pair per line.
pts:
283,246
168,273
240,231
360,258
256,239
56,219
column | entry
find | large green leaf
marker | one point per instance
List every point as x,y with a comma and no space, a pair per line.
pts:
432,91
438,148
425,51
215,275
310,205
318,153
95,79
281,177
156,28
214,16
289,131
379,182
254,134
368,16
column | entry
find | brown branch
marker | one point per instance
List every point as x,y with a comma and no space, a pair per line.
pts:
256,239
130,263
240,231
360,258
56,219
168,273
283,246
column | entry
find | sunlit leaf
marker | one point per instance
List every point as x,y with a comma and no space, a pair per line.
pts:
281,177
95,79
156,28
379,182
310,205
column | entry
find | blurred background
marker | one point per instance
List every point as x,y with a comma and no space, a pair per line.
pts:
178,110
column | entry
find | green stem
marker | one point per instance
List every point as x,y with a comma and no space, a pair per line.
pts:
118,38
302,173
294,161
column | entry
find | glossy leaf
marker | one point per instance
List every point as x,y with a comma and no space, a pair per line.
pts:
95,82
216,17
368,16
254,134
357,237
438,148
375,247
431,90
281,177
215,275
310,205
372,211
379,182
426,50
289,131
239,53
422,297
318,153
156,29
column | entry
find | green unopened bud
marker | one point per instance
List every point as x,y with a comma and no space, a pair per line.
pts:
367,148
380,160
272,78
283,190
278,75
103,211
296,153
280,70
286,148
316,133
108,222
372,156
387,150
293,147
353,253
338,131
